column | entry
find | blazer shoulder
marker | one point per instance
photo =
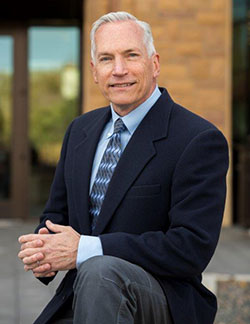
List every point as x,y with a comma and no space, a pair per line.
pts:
188,123
88,118
183,123
91,115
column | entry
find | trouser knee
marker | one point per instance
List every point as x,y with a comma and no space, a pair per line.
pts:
109,288
100,268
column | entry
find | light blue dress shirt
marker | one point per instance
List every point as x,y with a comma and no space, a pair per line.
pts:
90,246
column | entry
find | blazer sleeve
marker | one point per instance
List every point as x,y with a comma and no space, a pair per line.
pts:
197,203
56,209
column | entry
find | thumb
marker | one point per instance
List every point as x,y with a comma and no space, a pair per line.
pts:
43,230
55,227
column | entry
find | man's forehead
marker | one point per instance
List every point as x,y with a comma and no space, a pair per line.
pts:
125,34
118,27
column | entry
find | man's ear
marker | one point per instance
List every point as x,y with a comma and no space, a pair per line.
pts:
93,69
156,63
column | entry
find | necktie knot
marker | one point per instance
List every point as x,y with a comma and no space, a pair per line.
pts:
119,126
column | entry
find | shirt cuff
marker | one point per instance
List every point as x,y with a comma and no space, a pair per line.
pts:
88,247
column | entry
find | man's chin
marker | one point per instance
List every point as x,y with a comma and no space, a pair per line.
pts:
123,107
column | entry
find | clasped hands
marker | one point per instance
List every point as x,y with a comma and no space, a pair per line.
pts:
46,253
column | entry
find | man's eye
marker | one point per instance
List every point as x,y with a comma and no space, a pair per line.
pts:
104,59
133,54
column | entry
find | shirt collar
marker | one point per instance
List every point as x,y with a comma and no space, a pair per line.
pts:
133,119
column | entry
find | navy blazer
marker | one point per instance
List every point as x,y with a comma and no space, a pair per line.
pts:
164,205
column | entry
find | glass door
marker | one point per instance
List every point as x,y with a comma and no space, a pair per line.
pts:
39,96
6,113
54,101
14,154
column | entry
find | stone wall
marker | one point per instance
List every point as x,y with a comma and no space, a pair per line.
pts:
193,39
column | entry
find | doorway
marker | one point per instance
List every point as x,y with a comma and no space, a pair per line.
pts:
39,96
14,153
54,101
241,111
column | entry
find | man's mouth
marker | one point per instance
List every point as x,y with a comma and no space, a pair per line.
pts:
122,85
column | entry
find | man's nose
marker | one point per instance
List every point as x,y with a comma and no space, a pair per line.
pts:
120,67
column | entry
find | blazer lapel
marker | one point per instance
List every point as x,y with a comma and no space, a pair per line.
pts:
139,151
83,157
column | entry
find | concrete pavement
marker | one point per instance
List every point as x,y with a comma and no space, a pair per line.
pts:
22,297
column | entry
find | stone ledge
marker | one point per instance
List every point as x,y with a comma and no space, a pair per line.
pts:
233,294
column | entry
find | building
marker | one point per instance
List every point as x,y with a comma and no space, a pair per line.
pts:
201,65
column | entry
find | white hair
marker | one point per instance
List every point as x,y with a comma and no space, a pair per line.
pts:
122,16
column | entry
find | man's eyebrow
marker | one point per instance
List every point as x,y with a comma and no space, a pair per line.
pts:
103,54
132,50
125,52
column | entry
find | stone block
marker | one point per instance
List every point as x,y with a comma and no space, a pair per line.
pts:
211,84
218,4
208,68
188,48
126,5
211,17
169,5
180,87
234,302
179,15
174,71
94,10
196,4
218,68
214,42
200,68
171,29
160,33
188,31
210,98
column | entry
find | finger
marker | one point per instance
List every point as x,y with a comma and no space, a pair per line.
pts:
43,230
55,227
33,258
29,252
51,274
42,275
27,238
38,268
32,244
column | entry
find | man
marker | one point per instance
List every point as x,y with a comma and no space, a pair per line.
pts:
137,200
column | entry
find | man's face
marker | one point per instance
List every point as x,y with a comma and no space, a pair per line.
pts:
126,75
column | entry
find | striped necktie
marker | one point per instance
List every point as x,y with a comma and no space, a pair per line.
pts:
105,171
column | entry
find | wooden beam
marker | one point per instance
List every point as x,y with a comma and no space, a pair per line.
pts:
20,147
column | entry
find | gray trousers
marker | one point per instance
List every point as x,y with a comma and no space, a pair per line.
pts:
109,290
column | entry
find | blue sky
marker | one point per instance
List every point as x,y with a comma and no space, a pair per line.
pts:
49,48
